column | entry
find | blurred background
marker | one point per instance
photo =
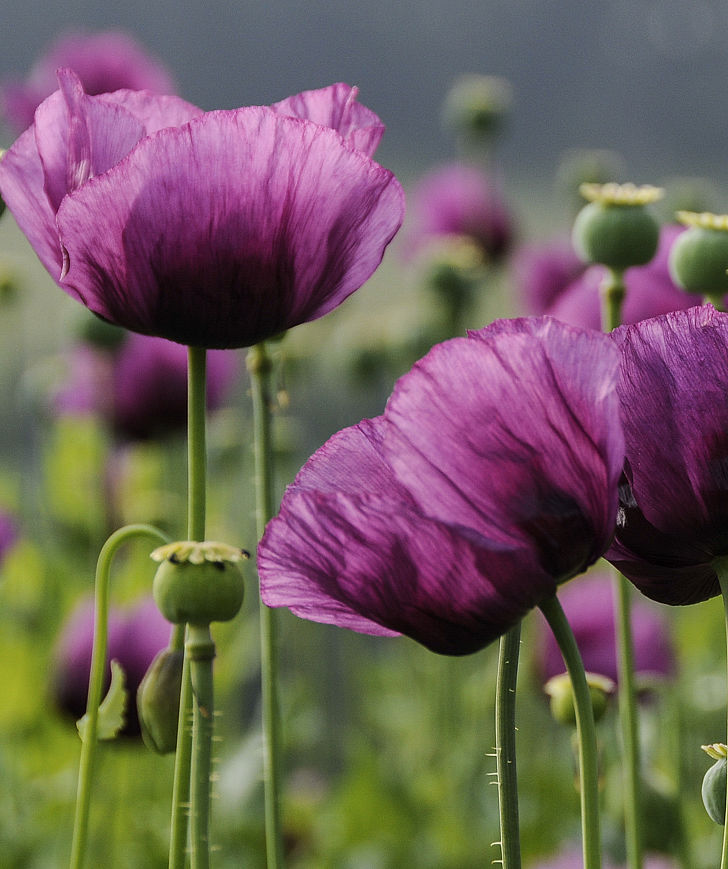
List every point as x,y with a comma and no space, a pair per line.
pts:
387,762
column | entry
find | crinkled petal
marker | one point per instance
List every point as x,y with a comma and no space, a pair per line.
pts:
21,187
336,106
229,229
673,386
513,434
376,566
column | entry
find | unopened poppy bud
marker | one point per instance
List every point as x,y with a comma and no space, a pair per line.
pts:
714,783
477,106
561,694
158,701
699,257
198,583
616,228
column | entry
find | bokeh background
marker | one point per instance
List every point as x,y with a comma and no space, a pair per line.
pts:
387,745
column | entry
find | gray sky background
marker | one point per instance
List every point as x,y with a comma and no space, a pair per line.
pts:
648,79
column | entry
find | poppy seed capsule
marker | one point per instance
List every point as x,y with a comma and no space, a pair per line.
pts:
616,228
714,791
699,257
198,583
158,701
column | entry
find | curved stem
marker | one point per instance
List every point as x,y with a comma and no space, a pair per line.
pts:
96,680
721,568
585,730
200,650
505,747
260,367
629,724
196,509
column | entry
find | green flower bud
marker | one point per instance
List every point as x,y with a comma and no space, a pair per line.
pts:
714,783
560,690
477,105
616,228
198,583
158,701
699,257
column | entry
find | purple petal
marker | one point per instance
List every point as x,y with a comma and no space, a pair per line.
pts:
513,435
378,567
336,106
673,518
298,221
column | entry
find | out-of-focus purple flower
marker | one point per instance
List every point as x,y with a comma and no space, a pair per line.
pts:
672,524
135,636
650,291
139,386
589,608
104,62
455,200
490,478
573,859
543,271
8,533
215,229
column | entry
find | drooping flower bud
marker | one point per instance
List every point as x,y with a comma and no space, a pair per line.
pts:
158,701
699,257
714,783
616,228
198,583
561,693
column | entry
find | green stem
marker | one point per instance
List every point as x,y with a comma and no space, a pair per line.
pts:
721,568
96,681
585,730
200,650
629,724
260,367
196,508
505,747
613,294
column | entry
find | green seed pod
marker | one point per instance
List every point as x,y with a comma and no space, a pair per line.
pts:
616,228
198,583
477,106
699,257
158,701
714,785
561,694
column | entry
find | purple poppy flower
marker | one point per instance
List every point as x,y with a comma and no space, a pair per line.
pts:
104,62
542,272
457,199
215,229
588,605
140,385
651,291
135,636
673,517
490,478
573,859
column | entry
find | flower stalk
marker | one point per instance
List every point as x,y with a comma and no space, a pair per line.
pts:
505,747
196,512
585,730
260,366
721,568
96,680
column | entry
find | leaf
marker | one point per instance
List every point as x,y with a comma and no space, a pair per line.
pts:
112,709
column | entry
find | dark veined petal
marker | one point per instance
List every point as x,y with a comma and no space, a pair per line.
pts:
336,106
376,566
673,388
229,229
513,435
